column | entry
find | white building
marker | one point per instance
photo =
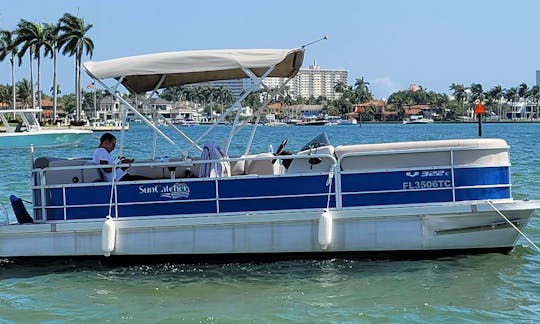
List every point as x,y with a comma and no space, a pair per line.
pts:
312,82
236,87
521,109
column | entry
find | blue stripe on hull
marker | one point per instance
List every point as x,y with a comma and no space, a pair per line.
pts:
278,193
482,176
273,186
299,202
482,193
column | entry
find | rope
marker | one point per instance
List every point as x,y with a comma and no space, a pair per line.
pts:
113,183
512,224
329,184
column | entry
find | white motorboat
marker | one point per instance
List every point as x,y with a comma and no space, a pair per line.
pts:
28,131
417,119
447,196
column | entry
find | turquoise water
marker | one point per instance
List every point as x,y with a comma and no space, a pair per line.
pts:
480,288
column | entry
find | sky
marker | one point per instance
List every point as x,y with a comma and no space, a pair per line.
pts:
391,44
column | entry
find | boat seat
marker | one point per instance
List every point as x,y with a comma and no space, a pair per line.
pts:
238,167
309,165
408,155
68,176
91,174
154,172
260,167
180,171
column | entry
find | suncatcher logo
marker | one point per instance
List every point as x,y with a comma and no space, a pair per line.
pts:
174,191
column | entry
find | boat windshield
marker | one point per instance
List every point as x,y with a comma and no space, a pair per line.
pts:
320,140
30,119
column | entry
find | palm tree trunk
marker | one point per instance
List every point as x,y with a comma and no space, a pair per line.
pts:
78,84
13,94
499,108
39,83
55,90
32,81
76,87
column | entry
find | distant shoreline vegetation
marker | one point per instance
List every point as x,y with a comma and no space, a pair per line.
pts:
69,36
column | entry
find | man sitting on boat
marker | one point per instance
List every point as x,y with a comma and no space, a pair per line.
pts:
102,155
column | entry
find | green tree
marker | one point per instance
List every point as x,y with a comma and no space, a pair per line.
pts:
534,94
460,95
4,94
477,93
174,94
361,91
31,38
496,93
50,45
511,95
68,102
24,92
75,41
340,87
8,48
522,90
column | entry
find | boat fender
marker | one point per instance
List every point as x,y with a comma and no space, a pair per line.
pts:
20,211
325,229
108,236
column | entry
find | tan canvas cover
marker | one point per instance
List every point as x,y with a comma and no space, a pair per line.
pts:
142,73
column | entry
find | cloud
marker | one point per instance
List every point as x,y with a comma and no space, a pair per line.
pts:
382,87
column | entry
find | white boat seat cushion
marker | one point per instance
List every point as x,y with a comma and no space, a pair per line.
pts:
301,165
261,166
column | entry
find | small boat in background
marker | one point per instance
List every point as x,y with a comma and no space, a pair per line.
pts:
417,119
105,125
28,131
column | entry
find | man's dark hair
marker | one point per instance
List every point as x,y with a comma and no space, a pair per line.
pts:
106,137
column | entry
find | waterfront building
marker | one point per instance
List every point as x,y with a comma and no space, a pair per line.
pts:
522,109
236,87
312,82
316,82
107,108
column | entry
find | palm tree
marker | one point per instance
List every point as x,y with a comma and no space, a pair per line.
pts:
497,92
522,90
511,95
75,41
51,32
534,94
477,93
340,87
30,36
459,94
24,91
8,47
361,91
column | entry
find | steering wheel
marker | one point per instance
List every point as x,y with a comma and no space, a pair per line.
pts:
281,147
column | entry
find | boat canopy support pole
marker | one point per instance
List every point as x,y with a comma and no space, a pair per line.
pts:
157,115
136,112
512,224
237,103
258,112
256,84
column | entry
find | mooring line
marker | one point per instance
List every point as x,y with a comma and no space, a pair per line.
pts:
512,224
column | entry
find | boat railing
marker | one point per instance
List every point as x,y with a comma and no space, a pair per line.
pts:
368,178
57,191
433,162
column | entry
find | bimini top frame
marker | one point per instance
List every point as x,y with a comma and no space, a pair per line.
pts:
145,73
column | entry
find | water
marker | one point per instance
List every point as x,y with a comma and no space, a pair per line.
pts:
480,288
